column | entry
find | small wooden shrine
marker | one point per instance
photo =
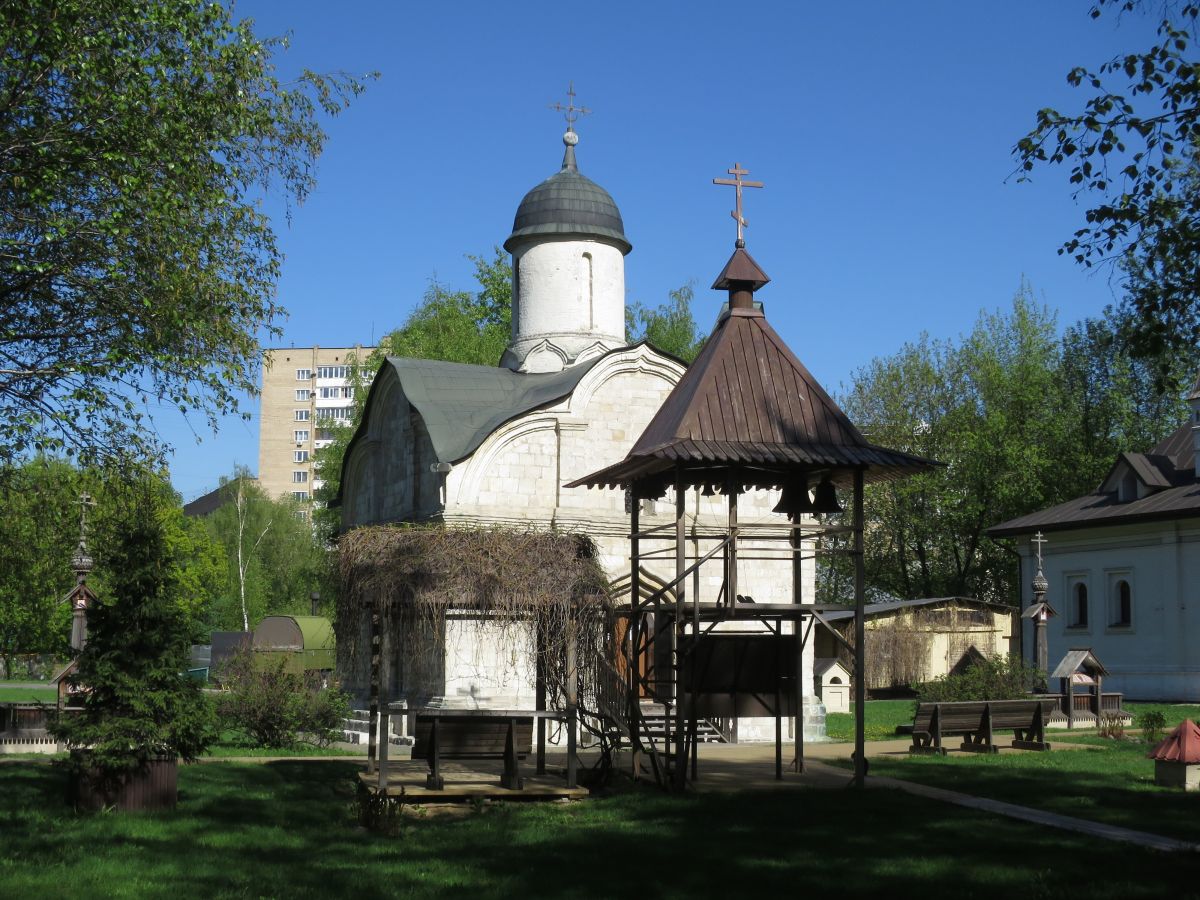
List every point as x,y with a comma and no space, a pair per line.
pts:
1084,704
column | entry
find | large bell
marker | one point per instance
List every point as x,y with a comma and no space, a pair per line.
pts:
794,499
826,500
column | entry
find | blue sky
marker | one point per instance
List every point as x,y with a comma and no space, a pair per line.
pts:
883,132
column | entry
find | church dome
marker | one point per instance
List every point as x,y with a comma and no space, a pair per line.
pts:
568,204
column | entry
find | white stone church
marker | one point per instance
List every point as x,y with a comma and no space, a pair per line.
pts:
469,445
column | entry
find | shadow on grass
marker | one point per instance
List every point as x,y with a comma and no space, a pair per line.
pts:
1113,784
287,829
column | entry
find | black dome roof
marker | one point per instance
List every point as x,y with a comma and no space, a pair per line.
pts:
568,203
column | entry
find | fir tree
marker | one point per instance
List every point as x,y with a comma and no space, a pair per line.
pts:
138,703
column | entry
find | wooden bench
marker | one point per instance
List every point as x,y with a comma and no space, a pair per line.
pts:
474,734
979,720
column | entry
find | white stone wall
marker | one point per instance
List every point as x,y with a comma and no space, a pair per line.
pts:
1156,657
488,666
569,297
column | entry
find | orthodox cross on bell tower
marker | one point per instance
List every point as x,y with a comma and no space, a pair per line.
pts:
570,112
737,172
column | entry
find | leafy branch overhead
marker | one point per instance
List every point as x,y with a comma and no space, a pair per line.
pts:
137,269
1133,149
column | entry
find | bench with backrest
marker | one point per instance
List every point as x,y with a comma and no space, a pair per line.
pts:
473,734
978,721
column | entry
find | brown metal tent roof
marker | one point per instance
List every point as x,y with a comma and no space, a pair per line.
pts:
748,401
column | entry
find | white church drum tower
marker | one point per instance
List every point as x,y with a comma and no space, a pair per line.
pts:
568,251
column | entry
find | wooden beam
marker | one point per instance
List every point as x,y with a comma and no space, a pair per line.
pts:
860,662
385,718
677,632
799,638
373,690
635,624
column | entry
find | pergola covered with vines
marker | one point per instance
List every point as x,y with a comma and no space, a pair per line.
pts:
543,589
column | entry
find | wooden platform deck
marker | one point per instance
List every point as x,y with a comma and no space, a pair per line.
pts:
473,780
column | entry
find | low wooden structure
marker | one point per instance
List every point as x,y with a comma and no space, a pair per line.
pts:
477,734
978,721
153,786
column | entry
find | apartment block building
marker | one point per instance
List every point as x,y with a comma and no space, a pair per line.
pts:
306,392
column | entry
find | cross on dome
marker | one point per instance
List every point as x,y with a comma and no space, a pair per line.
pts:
737,172
570,112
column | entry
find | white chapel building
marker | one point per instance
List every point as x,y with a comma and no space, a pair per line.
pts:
1122,566
472,445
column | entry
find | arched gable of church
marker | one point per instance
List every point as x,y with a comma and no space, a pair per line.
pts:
519,469
386,476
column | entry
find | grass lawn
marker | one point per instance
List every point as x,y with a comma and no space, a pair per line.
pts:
234,749
1112,783
882,717
1174,712
26,695
287,829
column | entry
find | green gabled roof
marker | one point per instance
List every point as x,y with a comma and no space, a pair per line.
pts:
462,404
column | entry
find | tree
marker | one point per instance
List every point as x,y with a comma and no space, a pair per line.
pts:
1114,400
1022,418
136,139
670,326
1133,149
38,504
274,559
458,326
139,703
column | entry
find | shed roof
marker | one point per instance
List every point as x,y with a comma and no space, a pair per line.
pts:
821,666
890,606
1074,660
294,633
748,401
1181,745
1171,461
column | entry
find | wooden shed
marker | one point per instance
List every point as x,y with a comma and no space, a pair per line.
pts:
913,641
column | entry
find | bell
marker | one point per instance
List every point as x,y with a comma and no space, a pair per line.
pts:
826,500
794,499
708,491
652,490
